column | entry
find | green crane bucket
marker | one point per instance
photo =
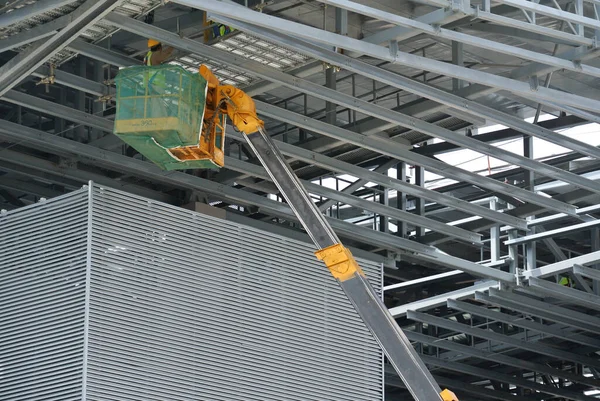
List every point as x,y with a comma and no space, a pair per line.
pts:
161,108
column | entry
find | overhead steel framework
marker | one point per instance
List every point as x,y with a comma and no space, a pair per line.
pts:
380,108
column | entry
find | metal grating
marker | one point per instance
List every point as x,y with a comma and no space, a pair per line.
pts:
187,306
247,46
42,299
95,33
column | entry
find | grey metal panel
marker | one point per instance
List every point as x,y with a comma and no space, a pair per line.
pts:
42,283
186,306
171,304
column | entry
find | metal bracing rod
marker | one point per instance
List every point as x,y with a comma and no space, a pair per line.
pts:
340,98
128,165
359,183
28,61
551,233
390,148
392,212
581,212
501,377
440,300
410,60
360,293
563,266
427,107
389,182
499,358
537,29
74,81
553,12
30,11
541,309
493,336
571,295
525,323
425,90
464,38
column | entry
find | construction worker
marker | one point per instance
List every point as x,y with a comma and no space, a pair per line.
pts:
220,30
566,281
157,54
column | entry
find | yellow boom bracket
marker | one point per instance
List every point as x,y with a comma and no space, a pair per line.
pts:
339,261
448,395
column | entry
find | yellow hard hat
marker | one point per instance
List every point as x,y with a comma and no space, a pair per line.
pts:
152,43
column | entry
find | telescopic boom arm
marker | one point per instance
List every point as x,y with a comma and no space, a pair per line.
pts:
240,108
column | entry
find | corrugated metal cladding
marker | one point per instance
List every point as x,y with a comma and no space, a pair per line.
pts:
42,299
184,306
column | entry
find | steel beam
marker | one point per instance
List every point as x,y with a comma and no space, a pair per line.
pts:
74,81
28,61
581,212
424,90
485,355
480,392
31,35
554,233
390,148
153,173
55,109
564,265
464,38
400,33
389,182
327,94
541,309
594,274
523,322
30,11
521,29
439,300
360,182
260,172
553,12
501,377
21,163
541,94
501,338
421,281
427,107
571,295
102,54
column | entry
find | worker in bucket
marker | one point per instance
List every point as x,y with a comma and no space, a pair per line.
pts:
157,53
157,82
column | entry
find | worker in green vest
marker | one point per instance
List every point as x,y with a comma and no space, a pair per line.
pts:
156,82
566,281
157,55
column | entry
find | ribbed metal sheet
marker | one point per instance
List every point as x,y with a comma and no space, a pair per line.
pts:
42,299
183,306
